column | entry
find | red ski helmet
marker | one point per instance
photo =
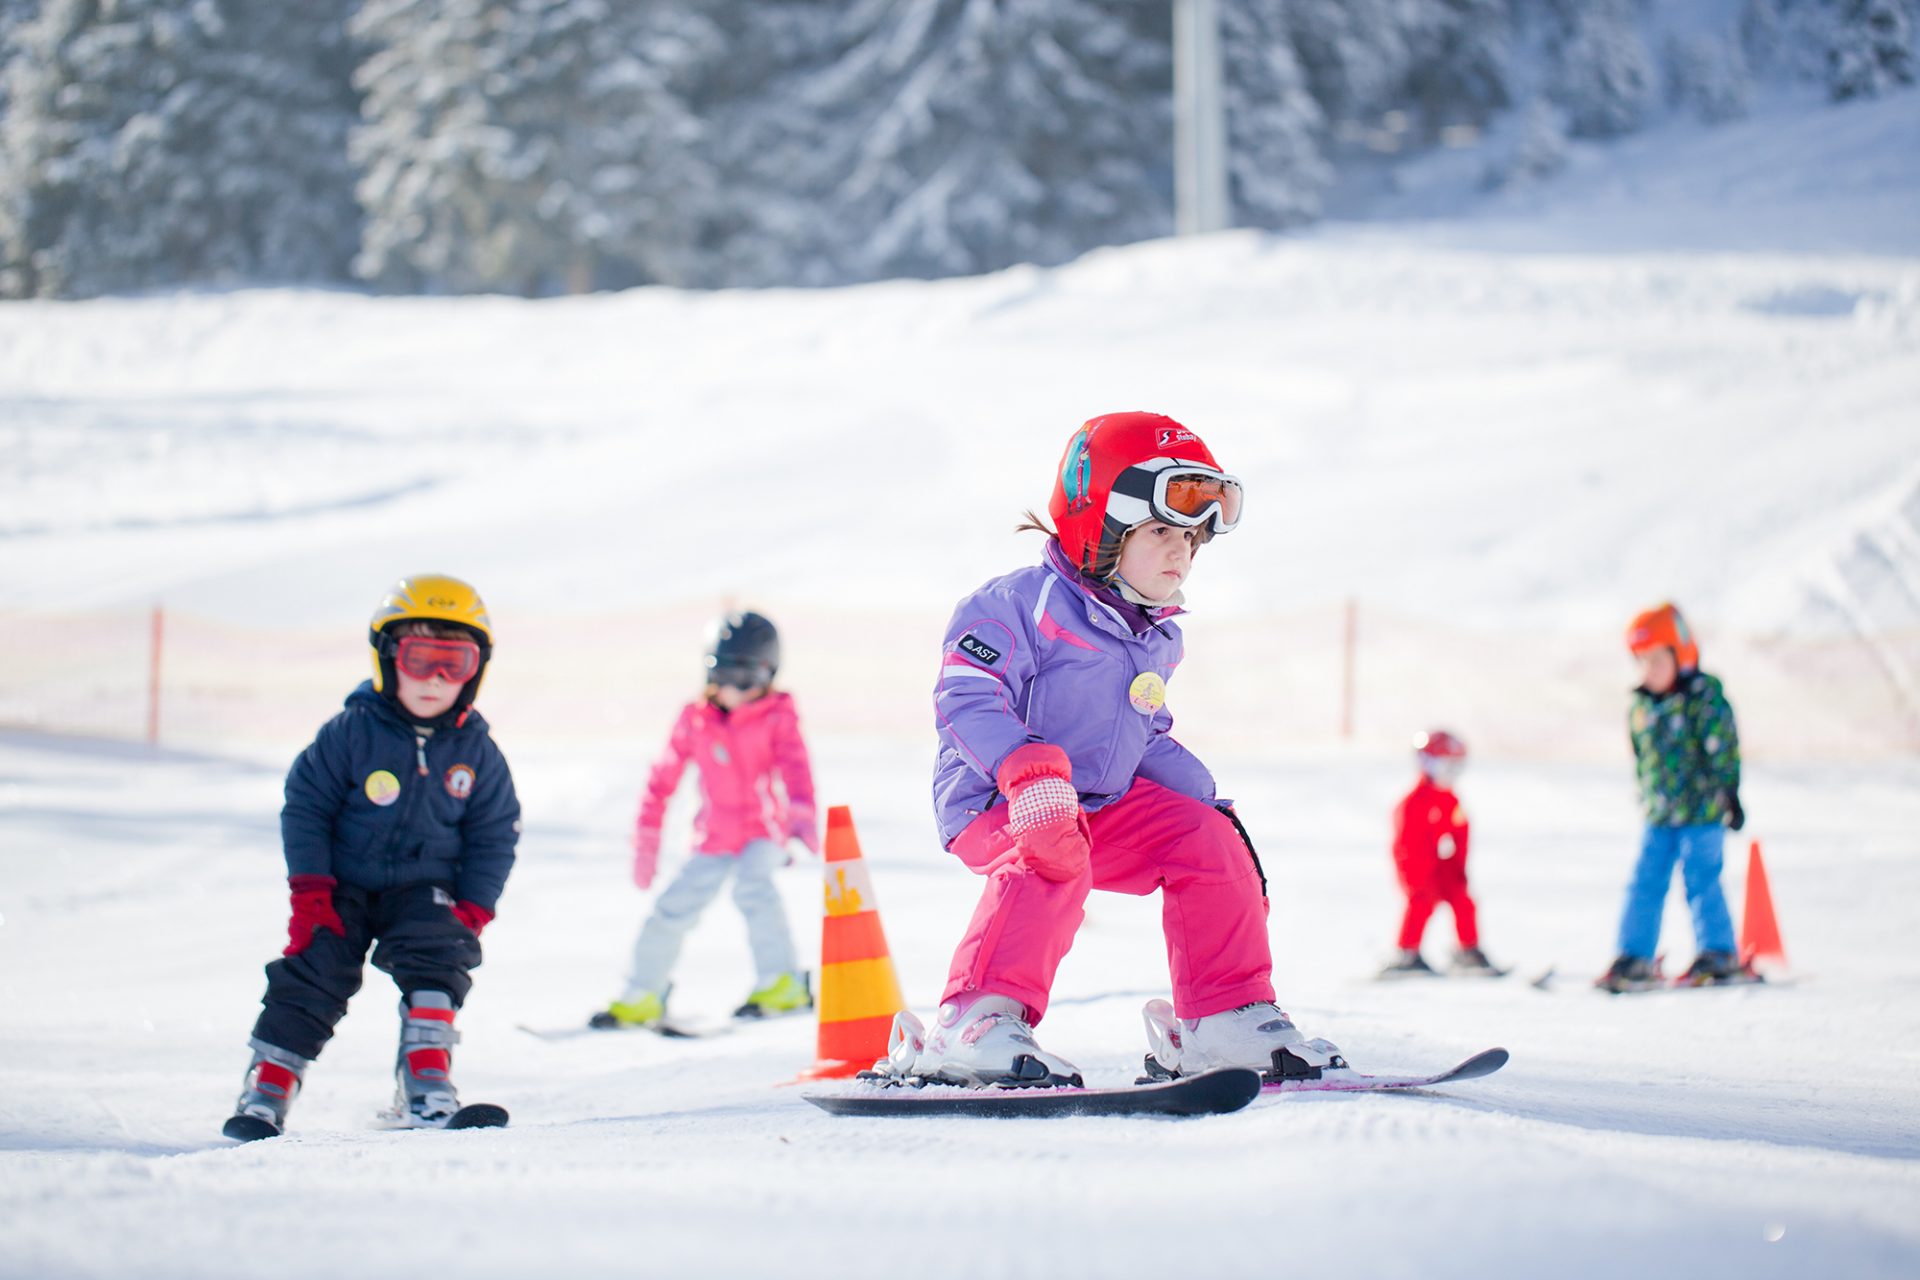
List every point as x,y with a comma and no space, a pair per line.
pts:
1440,755
1663,627
1438,744
1121,470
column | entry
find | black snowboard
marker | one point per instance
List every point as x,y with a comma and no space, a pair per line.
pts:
1212,1093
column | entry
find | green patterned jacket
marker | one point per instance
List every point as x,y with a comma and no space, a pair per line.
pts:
1686,751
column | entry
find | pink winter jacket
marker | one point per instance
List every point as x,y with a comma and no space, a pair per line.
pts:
739,755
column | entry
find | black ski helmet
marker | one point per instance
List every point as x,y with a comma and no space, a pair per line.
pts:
743,650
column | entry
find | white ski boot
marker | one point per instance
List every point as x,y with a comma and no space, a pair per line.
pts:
272,1083
985,1043
424,1096
1257,1035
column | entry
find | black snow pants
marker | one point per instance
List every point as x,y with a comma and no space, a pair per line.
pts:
415,937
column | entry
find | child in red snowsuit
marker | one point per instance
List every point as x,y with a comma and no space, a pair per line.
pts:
1430,857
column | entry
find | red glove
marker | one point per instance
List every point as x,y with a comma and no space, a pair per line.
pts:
1043,811
646,855
312,912
472,915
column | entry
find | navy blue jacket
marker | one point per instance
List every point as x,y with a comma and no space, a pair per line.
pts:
371,805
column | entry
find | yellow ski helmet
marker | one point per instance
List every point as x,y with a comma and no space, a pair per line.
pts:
428,597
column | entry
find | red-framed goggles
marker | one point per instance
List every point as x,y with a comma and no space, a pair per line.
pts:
424,657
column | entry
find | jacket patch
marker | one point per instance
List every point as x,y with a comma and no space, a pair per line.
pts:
1147,693
382,788
459,781
974,647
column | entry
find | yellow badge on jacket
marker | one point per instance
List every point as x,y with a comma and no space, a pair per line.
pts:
1147,693
382,787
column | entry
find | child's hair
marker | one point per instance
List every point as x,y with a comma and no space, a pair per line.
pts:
1107,565
431,629
1103,568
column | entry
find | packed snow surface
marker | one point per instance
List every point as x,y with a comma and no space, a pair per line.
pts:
1502,442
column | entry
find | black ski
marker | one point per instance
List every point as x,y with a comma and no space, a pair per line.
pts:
1484,1063
478,1115
246,1128
475,1115
1211,1093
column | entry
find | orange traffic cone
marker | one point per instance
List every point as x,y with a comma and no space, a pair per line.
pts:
859,992
1759,931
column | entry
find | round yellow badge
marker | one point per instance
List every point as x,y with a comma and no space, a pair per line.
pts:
1147,693
382,788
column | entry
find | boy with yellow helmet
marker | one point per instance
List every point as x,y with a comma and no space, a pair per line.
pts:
399,830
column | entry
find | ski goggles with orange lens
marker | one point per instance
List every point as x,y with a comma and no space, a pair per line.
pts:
1175,492
424,657
1193,497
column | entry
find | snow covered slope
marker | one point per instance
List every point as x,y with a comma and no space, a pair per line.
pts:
1501,442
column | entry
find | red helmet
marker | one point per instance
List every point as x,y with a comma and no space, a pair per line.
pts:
1663,627
1121,470
1440,755
1438,744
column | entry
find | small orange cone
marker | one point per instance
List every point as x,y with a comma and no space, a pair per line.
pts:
1759,931
859,992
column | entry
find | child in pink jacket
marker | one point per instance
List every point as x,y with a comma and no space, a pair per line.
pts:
756,793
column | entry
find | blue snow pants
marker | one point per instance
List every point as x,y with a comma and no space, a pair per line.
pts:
1698,850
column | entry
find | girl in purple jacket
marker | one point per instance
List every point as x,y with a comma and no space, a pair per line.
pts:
1057,775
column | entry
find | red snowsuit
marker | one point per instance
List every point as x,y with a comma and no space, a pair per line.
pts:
1430,855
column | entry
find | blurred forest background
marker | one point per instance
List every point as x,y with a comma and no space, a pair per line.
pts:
540,147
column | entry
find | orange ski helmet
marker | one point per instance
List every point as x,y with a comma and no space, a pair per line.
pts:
1121,470
1663,627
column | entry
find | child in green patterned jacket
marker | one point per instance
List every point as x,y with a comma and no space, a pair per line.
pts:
1687,756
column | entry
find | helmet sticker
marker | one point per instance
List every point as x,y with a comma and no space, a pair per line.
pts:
1175,435
459,781
1076,477
1147,693
382,788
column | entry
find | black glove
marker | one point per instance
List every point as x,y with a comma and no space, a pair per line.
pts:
1736,816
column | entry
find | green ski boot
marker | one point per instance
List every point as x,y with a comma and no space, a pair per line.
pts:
643,1010
788,993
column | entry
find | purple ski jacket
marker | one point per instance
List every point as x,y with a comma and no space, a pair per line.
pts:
1035,657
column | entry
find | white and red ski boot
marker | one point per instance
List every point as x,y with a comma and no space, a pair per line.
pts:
272,1083
424,1096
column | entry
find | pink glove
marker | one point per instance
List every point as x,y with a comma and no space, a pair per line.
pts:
802,826
1043,811
472,915
646,855
312,911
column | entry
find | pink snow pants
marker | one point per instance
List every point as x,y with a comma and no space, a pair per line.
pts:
1213,912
